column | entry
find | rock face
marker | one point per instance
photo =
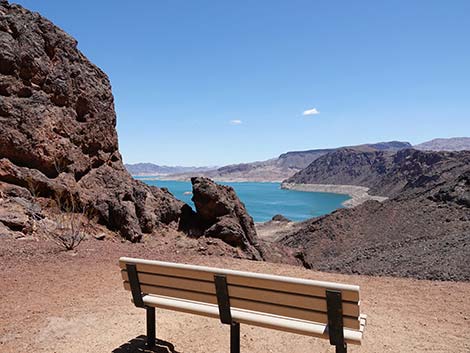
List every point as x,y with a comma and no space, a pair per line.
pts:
57,128
345,167
457,191
385,173
221,214
422,231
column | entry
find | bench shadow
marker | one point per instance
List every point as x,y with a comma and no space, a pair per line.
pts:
138,345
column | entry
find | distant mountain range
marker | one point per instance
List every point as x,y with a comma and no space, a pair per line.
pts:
448,144
150,169
285,165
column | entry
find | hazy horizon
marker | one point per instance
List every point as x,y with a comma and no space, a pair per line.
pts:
272,157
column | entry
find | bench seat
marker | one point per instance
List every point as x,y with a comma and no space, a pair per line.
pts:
254,318
308,307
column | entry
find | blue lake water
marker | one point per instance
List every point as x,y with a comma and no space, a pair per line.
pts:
264,200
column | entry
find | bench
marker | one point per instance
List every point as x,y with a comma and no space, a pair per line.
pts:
307,307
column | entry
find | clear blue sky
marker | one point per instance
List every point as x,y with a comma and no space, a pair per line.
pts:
217,82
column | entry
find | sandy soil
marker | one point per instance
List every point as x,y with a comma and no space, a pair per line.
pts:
53,301
358,194
273,231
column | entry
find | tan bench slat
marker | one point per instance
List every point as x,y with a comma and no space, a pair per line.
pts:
248,279
257,306
251,318
288,299
173,282
273,297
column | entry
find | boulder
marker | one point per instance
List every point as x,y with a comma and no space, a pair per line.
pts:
457,192
221,214
280,218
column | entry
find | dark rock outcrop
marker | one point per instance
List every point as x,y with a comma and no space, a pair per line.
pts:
422,231
346,166
221,214
57,128
457,192
385,173
280,218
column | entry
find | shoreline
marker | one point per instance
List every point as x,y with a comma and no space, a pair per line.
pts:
222,179
358,194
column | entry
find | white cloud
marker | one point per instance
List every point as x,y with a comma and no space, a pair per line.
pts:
235,122
312,111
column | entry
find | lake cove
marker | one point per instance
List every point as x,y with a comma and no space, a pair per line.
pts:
264,200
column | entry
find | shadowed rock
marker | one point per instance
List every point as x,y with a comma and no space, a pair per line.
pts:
221,214
280,218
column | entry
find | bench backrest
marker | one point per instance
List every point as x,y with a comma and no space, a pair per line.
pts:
285,296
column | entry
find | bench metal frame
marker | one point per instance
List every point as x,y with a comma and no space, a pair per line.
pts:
137,298
335,320
223,300
333,299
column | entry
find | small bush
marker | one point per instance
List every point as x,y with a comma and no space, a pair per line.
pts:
69,227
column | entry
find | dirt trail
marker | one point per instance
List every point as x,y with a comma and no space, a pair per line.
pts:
75,303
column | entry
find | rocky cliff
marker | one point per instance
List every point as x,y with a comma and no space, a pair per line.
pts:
57,131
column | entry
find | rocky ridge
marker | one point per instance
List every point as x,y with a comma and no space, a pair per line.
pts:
445,144
385,173
282,167
422,231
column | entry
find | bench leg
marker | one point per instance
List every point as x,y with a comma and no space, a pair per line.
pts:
151,327
234,337
341,348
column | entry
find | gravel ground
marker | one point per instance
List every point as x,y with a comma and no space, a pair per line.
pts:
54,301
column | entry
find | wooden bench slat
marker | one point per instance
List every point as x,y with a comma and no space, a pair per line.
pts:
286,311
268,296
252,318
173,282
247,279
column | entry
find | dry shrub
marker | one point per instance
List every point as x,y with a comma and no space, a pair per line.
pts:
69,226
